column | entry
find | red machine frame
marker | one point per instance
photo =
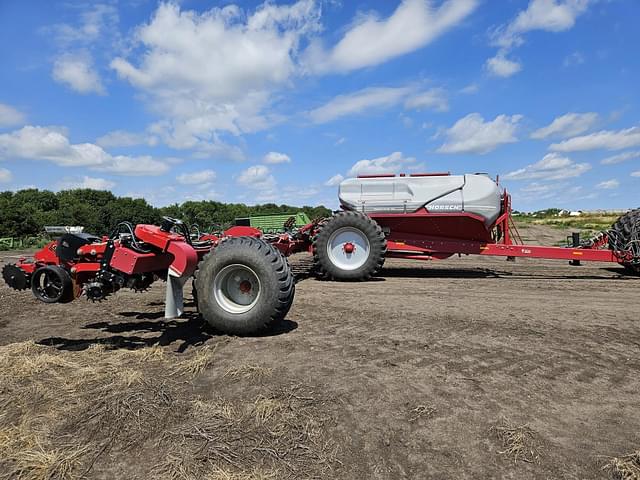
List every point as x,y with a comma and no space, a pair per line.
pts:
426,246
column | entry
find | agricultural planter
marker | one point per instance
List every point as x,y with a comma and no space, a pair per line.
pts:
242,283
242,280
434,216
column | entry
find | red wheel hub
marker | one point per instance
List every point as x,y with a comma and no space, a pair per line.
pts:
349,247
245,286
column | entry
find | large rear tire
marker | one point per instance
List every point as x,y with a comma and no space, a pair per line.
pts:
625,236
244,286
350,247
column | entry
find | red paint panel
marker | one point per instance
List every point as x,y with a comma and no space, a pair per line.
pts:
404,227
243,231
130,261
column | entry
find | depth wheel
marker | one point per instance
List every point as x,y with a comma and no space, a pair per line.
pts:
349,246
52,284
244,286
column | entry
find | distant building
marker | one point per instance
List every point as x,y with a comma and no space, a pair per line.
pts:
575,213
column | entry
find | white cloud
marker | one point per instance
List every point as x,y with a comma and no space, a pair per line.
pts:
363,101
51,144
501,66
122,138
77,72
372,41
635,174
5,175
358,102
433,99
95,21
86,182
547,15
604,139
196,178
9,116
608,184
276,157
621,157
216,71
567,125
257,177
573,60
471,134
470,89
335,180
392,163
553,166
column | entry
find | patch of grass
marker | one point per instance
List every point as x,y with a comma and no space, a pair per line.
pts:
41,463
518,441
198,363
421,411
70,415
626,467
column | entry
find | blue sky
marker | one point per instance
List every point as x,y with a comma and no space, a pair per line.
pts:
255,102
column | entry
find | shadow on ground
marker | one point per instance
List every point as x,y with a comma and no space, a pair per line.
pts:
188,331
465,273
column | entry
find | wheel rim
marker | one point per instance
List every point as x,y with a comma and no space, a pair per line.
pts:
348,248
49,285
236,288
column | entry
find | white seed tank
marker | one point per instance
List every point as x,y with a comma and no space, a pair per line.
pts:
472,193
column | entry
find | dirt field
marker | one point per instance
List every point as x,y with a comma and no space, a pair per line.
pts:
465,368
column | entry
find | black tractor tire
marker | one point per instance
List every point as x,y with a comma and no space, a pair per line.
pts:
52,284
244,286
623,233
326,268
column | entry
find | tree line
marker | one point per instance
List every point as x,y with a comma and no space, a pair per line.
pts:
26,212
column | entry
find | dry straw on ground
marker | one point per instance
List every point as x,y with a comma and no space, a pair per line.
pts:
518,441
626,467
67,414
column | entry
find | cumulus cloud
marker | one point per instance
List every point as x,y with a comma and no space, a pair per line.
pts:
216,71
567,125
5,175
196,178
77,72
257,177
94,21
608,184
547,15
86,182
51,144
372,41
9,116
393,163
122,138
276,157
604,139
471,134
553,166
335,180
501,66
621,157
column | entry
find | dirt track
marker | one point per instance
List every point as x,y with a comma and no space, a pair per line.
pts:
408,373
